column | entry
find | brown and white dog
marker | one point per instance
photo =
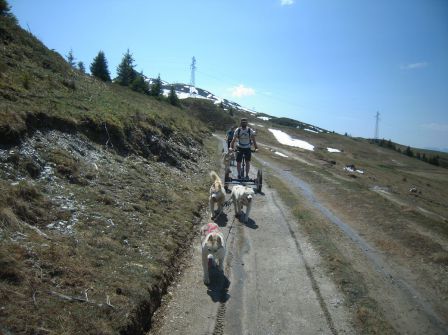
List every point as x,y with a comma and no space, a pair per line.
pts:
242,196
217,194
212,243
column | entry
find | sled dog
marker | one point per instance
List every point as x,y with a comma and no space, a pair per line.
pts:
217,195
212,243
242,196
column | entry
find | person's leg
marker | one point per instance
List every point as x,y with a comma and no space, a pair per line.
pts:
239,158
248,158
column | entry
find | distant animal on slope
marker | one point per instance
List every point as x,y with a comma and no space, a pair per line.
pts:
217,195
212,243
242,196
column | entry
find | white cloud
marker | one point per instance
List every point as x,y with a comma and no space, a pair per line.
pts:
435,126
241,91
286,2
414,66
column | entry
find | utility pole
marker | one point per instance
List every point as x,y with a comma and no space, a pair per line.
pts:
377,117
193,69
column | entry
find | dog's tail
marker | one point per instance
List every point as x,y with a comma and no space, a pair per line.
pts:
214,176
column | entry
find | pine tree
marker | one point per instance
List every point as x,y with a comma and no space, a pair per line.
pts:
81,67
99,68
125,70
156,87
409,152
71,58
5,10
172,97
139,84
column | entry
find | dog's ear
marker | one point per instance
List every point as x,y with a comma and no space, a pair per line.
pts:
209,240
219,240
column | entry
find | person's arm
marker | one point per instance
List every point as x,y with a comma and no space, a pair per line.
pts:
255,142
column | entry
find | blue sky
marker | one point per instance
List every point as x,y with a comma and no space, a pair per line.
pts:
331,63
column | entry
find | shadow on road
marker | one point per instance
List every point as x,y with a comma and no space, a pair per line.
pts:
222,220
250,224
219,285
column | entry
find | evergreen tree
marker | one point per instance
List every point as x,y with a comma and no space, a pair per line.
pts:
156,87
139,84
99,68
5,10
172,97
434,160
390,145
409,152
81,67
125,70
71,58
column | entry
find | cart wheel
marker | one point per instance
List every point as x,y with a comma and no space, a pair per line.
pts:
259,180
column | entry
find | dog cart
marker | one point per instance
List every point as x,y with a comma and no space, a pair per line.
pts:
244,180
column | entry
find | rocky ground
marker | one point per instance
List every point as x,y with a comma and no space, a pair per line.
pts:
90,233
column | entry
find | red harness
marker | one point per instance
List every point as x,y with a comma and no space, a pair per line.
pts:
212,228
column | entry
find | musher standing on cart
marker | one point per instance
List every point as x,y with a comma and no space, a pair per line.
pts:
245,136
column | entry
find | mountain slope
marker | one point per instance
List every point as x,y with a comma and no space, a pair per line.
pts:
92,182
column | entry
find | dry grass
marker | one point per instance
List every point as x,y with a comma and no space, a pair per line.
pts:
368,317
123,249
96,215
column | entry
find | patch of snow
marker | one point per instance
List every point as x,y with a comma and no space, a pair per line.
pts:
333,150
353,169
284,138
281,154
264,118
311,131
183,95
257,125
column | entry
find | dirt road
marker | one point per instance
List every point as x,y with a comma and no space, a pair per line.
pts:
272,282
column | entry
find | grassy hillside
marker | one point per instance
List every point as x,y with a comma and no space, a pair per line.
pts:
40,90
93,177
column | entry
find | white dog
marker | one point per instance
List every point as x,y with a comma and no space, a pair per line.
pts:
242,196
217,194
212,243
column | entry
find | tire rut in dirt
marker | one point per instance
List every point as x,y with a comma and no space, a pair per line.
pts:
310,275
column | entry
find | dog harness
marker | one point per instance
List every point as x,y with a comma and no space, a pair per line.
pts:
212,228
